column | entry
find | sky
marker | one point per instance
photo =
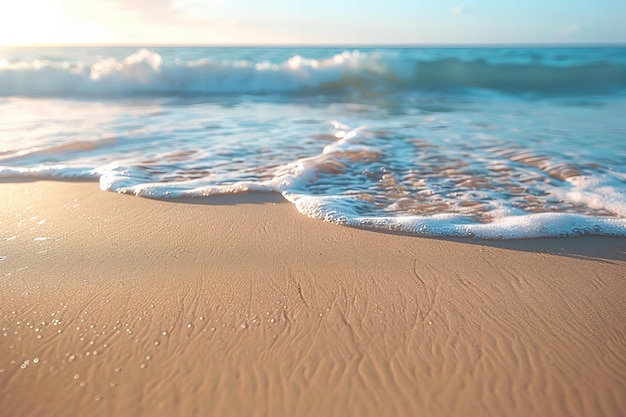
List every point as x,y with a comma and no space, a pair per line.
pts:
339,22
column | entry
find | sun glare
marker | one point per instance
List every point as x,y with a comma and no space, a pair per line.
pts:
43,22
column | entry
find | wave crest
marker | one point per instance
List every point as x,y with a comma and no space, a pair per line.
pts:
145,73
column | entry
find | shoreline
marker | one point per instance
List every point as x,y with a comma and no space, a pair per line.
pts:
246,307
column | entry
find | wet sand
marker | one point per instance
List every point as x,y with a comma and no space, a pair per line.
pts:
113,305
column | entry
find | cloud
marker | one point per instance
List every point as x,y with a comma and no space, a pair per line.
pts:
195,4
458,10
196,9
575,29
570,30
169,12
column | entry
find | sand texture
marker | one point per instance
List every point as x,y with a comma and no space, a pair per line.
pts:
113,305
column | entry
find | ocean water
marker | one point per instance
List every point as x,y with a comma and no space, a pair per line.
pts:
494,143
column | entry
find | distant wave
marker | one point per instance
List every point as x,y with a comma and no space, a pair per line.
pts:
145,73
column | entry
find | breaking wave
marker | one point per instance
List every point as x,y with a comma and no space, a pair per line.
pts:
354,73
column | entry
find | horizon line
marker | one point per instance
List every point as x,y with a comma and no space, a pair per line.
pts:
319,45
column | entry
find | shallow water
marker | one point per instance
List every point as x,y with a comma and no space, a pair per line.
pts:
491,143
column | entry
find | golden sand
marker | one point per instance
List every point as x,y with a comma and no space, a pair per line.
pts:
113,305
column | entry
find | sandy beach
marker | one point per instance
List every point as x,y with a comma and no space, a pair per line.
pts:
113,305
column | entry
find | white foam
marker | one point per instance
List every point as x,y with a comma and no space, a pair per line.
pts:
43,172
454,225
596,193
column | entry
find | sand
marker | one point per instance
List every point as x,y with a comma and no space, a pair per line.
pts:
114,305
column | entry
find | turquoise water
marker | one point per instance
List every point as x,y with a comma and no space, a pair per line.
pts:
484,142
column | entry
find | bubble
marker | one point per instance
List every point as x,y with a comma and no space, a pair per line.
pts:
189,326
201,317
164,333
156,343
113,384
244,326
82,383
148,357
36,360
76,376
143,366
99,397
118,369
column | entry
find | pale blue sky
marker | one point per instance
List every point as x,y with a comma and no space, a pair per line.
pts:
312,22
